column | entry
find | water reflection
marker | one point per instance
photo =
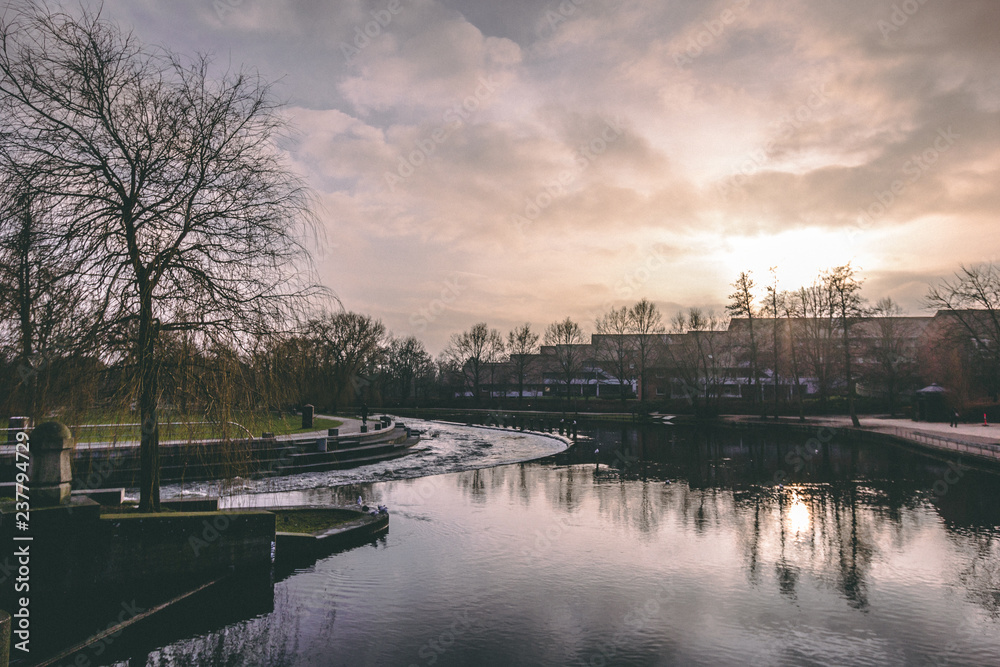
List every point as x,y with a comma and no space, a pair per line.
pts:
680,549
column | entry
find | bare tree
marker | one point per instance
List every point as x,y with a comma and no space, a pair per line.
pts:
696,350
817,336
567,338
972,300
522,346
773,304
793,312
686,354
845,288
616,346
472,351
42,316
406,359
174,190
890,350
647,326
741,304
347,347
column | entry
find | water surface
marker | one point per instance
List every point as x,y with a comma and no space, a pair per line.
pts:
679,548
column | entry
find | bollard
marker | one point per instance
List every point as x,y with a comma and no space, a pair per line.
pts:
51,464
364,428
333,432
307,416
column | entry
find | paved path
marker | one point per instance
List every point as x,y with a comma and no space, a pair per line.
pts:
989,435
349,427
983,441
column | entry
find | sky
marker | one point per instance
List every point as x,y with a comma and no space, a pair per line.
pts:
516,161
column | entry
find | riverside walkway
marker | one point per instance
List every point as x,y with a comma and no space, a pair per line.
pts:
976,440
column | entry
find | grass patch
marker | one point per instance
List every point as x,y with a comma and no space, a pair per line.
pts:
129,507
311,521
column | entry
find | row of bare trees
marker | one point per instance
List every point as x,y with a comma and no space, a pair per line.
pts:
825,332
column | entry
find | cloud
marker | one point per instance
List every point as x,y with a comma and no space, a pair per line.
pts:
472,136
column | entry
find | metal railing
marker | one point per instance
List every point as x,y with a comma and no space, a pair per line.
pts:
117,425
983,449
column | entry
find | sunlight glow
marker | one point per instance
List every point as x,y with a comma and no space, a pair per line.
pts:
799,256
799,518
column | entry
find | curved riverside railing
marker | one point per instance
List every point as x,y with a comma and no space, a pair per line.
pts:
982,449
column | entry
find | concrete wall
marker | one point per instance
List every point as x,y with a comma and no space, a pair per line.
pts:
185,547
75,550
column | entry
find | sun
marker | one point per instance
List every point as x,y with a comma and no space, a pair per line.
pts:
798,256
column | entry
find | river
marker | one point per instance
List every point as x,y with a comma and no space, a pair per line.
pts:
668,546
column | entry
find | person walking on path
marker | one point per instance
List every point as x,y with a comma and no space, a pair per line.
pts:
364,413
954,419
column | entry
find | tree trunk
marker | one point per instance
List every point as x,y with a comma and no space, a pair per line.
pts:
795,371
847,374
149,445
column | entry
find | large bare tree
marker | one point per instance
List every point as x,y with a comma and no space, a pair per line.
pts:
174,192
